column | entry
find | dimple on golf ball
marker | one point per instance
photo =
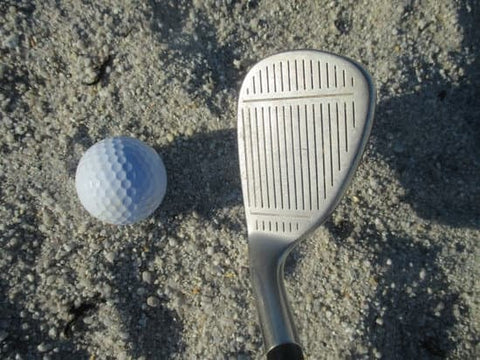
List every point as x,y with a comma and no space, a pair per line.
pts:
121,180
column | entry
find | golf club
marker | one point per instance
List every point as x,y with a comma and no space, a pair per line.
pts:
304,118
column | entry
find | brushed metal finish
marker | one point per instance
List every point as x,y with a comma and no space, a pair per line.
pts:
304,118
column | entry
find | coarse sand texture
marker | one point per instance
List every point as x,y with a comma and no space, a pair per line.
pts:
391,274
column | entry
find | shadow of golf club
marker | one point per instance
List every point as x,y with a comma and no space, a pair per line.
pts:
430,137
434,149
412,313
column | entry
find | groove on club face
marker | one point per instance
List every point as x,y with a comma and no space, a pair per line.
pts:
303,121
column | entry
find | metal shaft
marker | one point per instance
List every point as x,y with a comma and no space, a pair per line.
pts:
266,269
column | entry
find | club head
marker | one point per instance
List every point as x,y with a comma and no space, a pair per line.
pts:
304,118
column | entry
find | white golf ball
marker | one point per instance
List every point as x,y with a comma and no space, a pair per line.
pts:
121,180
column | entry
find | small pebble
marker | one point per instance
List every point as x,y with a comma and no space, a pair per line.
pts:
153,301
3,335
12,41
52,332
43,347
240,339
170,137
147,277
422,274
110,256
141,291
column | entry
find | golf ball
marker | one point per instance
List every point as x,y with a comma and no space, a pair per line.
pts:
121,180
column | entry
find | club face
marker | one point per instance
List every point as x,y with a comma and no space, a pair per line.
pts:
304,118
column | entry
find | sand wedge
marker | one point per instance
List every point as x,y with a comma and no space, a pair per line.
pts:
304,118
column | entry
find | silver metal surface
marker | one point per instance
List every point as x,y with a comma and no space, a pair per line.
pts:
304,118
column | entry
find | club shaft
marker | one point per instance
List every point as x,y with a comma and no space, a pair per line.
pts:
266,266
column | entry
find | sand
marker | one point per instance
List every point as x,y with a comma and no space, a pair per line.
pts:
393,274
